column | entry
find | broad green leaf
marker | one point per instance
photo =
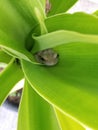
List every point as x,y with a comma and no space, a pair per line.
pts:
72,84
5,58
57,38
29,7
20,16
8,78
16,22
67,123
15,19
35,113
79,22
60,6
43,3
14,47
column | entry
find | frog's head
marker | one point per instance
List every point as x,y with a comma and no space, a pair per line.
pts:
47,57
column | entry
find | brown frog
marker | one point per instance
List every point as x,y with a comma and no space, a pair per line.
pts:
47,57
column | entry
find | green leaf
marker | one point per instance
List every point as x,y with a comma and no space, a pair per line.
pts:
72,84
95,13
57,38
74,22
60,6
35,112
4,57
16,22
43,2
14,47
8,78
13,22
29,7
20,16
68,123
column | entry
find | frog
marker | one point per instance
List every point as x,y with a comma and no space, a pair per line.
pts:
47,57
48,7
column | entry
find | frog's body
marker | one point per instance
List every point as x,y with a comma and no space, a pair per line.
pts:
47,57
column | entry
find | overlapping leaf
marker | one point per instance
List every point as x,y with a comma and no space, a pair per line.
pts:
71,85
4,58
35,113
74,22
60,6
16,48
8,78
12,21
68,123
57,38
29,8
17,18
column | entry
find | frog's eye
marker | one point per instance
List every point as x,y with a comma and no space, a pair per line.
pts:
57,55
41,58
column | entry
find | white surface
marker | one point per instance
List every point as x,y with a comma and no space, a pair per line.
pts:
94,1
84,5
8,113
8,117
